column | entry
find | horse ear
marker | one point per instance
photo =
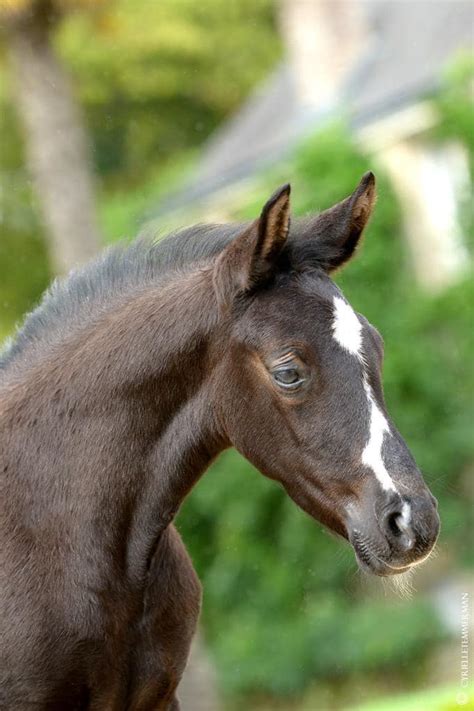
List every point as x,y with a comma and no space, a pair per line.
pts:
339,229
251,258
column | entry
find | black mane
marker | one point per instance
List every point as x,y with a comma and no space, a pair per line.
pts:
122,269
91,290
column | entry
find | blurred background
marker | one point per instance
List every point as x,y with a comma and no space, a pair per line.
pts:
125,115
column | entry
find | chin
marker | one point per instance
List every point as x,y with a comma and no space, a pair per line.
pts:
369,564
376,559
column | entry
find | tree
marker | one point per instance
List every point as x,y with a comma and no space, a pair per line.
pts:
56,144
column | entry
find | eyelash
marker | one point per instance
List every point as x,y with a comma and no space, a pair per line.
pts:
289,367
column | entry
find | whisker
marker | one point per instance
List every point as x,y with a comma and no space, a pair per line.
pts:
401,584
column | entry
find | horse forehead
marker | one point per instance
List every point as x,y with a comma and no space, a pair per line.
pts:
346,325
311,304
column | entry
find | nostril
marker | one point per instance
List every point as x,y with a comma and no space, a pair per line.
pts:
394,524
398,528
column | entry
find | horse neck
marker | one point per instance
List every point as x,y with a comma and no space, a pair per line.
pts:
125,406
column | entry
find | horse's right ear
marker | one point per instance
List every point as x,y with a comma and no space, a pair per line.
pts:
252,257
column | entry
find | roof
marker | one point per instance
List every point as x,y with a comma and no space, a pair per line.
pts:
409,46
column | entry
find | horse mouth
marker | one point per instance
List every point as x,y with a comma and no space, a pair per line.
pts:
376,566
370,562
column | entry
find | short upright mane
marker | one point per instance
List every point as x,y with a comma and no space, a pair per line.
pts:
87,292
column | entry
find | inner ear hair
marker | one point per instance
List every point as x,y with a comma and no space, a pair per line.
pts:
340,228
274,223
364,200
252,257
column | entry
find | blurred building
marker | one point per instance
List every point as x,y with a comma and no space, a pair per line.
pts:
375,62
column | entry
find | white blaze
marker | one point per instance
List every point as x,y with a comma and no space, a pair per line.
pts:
347,331
346,327
372,454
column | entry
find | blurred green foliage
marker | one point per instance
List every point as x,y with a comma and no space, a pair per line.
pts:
23,260
454,103
361,698
455,107
157,81
444,699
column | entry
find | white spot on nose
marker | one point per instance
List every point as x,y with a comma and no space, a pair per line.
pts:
346,327
372,454
406,515
403,524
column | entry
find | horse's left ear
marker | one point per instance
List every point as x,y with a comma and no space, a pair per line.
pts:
251,258
338,230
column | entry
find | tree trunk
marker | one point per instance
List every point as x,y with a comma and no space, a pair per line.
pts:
57,149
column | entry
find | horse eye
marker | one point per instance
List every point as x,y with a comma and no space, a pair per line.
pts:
288,378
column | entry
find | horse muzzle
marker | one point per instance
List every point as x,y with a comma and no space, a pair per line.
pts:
400,535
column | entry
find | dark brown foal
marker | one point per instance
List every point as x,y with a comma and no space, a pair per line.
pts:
117,394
